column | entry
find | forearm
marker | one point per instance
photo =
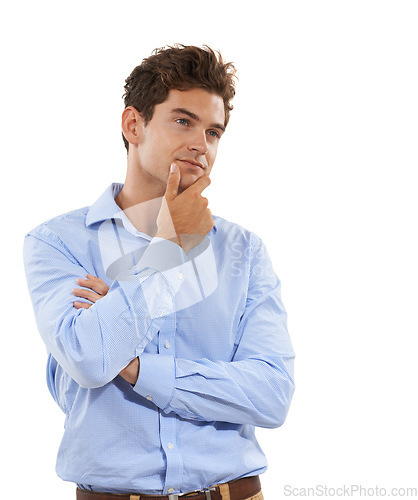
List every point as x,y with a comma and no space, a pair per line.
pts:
252,391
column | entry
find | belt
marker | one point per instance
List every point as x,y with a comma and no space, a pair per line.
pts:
240,489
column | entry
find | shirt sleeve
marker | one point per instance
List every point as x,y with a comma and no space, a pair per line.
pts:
256,386
93,345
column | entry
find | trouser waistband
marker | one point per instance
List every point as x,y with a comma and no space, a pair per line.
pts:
240,489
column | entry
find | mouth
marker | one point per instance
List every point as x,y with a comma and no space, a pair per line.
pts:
193,164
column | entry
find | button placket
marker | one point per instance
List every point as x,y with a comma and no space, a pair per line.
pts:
168,426
168,422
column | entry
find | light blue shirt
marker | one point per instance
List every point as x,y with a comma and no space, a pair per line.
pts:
209,328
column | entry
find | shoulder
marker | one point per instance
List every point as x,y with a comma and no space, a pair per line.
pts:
233,232
60,226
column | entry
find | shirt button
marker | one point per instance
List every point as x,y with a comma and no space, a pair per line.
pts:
167,344
171,490
170,447
149,398
180,276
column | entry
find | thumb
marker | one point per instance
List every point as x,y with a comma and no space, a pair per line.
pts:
173,182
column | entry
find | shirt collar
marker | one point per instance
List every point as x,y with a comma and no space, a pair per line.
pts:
106,207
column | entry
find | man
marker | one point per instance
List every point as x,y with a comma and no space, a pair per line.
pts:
178,347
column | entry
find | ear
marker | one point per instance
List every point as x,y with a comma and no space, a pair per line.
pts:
132,125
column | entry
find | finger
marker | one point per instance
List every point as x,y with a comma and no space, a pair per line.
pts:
94,278
82,305
198,186
87,294
96,284
99,287
173,182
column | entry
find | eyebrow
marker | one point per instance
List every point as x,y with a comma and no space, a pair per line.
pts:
195,117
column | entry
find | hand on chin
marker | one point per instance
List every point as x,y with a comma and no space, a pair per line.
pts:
187,179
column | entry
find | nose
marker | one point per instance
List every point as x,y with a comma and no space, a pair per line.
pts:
199,142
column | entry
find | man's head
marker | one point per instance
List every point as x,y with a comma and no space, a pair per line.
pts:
178,68
177,107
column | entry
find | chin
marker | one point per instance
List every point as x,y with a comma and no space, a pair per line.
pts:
183,186
187,180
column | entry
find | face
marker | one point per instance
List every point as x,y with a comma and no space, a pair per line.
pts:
185,129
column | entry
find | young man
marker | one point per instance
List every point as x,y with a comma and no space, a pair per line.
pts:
178,347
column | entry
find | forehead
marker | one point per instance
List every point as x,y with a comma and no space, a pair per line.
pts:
207,106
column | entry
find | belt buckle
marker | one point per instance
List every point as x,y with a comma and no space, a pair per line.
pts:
178,495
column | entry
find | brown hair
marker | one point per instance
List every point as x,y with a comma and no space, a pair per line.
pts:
181,67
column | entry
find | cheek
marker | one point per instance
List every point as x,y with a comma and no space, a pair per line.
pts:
150,152
212,155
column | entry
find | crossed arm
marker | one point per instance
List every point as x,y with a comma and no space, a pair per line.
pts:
97,290
254,387
223,399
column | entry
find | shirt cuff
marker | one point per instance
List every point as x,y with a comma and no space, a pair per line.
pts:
156,378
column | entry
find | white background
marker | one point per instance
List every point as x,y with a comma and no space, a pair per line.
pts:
319,159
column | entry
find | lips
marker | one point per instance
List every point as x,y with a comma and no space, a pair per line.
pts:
192,163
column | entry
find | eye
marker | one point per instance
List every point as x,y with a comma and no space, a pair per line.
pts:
214,133
182,121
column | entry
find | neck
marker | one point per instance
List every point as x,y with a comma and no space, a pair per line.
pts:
140,199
